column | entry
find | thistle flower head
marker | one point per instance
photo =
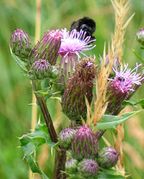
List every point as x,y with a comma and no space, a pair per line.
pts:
140,36
88,168
84,144
122,86
71,165
40,69
73,44
66,136
108,157
20,44
48,47
125,79
78,87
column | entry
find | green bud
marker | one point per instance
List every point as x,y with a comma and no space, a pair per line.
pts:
140,36
66,136
71,165
40,69
20,44
88,168
108,157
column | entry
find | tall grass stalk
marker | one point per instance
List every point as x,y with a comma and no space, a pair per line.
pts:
121,8
37,37
115,50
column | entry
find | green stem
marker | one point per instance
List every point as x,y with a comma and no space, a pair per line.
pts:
60,160
60,157
46,115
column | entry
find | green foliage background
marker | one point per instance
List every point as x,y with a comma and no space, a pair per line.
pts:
15,89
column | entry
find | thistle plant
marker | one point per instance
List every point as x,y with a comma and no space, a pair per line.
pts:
92,97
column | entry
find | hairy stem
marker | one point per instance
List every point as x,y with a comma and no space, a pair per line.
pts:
60,160
46,115
60,157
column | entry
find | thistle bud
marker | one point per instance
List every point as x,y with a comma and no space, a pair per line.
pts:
20,44
88,168
78,87
66,136
71,165
40,69
84,144
140,36
48,47
108,157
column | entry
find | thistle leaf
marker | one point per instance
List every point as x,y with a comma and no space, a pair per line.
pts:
29,144
111,121
19,62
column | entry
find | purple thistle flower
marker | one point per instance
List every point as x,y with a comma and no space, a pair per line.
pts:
72,45
140,36
48,47
84,144
122,86
125,79
108,157
20,44
66,136
88,168
40,69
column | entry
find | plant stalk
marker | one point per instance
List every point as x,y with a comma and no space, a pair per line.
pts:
37,36
46,115
60,157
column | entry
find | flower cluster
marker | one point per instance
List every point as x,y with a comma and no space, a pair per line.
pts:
56,59
86,159
54,43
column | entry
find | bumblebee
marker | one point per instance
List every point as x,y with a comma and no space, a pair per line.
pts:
86,24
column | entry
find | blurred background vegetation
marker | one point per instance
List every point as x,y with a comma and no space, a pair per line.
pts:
15,89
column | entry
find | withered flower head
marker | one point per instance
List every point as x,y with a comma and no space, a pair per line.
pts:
79,86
